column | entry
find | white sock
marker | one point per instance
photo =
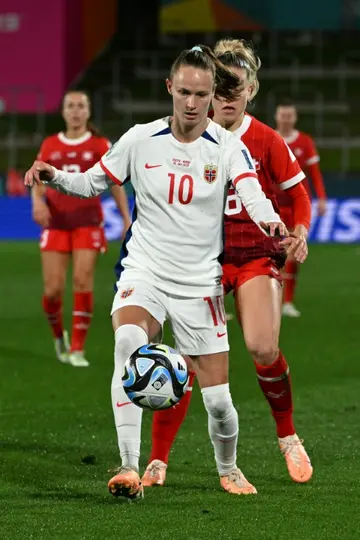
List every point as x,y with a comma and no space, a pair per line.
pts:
128,338
223,426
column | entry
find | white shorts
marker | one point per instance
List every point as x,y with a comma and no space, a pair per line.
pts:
198,324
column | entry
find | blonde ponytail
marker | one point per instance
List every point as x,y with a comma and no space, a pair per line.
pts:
239,53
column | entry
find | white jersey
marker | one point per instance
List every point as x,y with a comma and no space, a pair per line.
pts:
180,190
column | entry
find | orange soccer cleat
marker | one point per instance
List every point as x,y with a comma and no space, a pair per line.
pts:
126,483
236,483
155,474
297,460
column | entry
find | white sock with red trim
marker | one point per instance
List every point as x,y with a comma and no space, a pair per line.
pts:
128,338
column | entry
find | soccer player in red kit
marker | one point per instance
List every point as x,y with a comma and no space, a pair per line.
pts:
252,270
72,227
304,149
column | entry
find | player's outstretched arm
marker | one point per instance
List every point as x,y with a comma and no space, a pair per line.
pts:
243,176
84,185
259,208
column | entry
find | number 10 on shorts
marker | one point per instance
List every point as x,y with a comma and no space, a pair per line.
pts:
217,309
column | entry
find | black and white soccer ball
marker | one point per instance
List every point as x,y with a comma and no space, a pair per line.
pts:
155,377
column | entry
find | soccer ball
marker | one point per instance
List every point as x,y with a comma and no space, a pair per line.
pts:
155,377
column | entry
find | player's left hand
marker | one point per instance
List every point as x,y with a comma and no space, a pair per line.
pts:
321,207
39,172
274,228
296,244
296,248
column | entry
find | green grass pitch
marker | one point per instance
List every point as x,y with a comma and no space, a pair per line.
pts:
52,416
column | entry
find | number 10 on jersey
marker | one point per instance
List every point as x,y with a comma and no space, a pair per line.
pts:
180,190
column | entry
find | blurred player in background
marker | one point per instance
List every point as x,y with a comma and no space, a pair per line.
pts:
252,269
72,227
180,168
304,149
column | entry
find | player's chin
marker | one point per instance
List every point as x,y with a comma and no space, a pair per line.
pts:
191,118
229,115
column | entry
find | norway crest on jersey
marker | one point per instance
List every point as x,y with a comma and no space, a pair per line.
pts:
127,292
210,173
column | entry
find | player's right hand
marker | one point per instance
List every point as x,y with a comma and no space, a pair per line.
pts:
274,228
322,207
39,172
41,213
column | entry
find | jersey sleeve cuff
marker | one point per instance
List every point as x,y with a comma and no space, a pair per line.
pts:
292,181
57,176
312,160
110,174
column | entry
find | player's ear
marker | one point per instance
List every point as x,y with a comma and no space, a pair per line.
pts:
169,86
250,90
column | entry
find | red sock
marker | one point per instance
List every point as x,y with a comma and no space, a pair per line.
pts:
53,311
82,313
166,424
275,382
290,279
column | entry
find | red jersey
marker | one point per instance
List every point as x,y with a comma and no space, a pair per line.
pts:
73,155
277,169
304,149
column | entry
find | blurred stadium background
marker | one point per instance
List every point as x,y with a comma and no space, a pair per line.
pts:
57,438
121,54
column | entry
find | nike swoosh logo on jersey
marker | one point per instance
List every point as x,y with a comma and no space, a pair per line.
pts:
147,166
221,335
118,404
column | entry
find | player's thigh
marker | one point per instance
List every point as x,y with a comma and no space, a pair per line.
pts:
55,248
258,306
54,269
86,244
140,303
211,369
84,263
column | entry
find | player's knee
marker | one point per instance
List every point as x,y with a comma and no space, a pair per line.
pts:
217,401
83,281
128,338
53,291
264,352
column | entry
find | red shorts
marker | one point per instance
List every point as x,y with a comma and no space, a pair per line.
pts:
67,241
287,217
235,276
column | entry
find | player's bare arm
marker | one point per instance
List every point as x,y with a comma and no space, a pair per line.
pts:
40,210
119,194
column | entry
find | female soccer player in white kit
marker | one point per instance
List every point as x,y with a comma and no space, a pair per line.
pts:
180,168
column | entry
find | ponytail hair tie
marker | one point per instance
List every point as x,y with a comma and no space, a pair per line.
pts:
196,48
